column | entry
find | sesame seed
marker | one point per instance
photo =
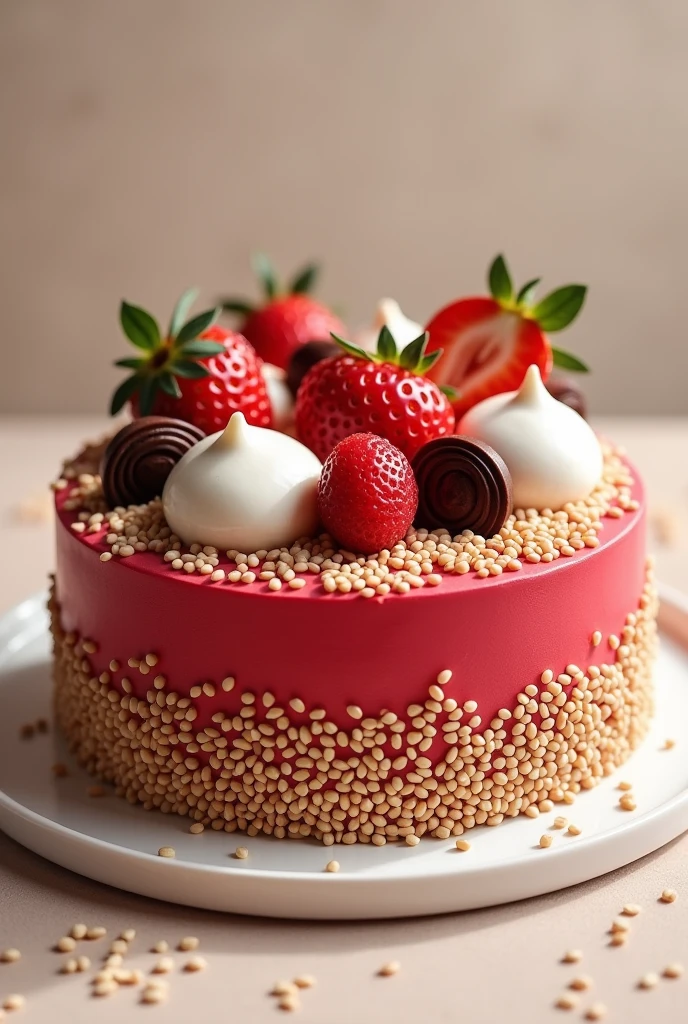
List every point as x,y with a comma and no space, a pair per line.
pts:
332,866
304,981
572,956
560,822
188,943
462,845
14,1002
105,556
119,946
596,1012
10,956
581,983
631,909
167,851
97,932
83,963
649,980
411,840
673,970
163,966
297,705
389,969
153,994
160,946
354,711
669,744
241,853
69,966
627,803
566,1001
65,945
619,925
668,896
289,1003
284,988
625,786
78,931
195,963
619,939
545,841
196,828
573,830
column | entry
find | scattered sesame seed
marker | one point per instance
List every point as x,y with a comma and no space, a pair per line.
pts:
573,830
625,785
389,969
572,956
560,822
289,1003
113,960
78,931
545,841
304,981
241,853
83,963
120,947
160,946
196,828
283,988
332,866
618,939
98,932
596,1012
668,896
65,945
411,839
188,944
195,963
669,744
69,966
649,980
167,851
10,956
581,983
619,925
14,1002
163,966
596,638
631,909
566,1001
673,970
128,935
627,803
153,994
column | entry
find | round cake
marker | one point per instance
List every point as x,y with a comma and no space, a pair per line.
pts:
446,680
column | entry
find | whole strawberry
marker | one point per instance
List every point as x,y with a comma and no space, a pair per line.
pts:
288,319
384,392
367,495
197,372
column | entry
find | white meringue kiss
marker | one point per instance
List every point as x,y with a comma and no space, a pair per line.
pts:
388,313
245,488
552,454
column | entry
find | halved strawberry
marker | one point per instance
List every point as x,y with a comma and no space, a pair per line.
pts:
489,343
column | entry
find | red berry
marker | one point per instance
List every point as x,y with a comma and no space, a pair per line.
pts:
196,372
288,319
367,496
347,394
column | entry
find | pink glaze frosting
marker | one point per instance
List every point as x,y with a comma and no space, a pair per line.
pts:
496,635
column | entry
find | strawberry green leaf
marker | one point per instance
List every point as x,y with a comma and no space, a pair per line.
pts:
565,361
189,369
304,280
198,349
181,311
264,271
237,306
558,309
147,389
131,364
351,349
429,361
139,326
124,393
412,355
499,279
168,383
386,345
527,293
200,323
451,393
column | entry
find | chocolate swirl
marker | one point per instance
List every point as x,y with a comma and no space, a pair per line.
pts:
463,484
141,456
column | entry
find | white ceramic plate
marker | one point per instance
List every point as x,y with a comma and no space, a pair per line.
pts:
112,842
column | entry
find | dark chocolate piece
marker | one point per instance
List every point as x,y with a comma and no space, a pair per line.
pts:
141,456
566,391
307,356
463,484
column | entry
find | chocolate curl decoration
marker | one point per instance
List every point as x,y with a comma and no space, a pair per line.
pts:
141,456
463,484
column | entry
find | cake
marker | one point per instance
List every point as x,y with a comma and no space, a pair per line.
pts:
295,686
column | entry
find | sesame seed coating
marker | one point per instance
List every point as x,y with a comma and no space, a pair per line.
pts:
649,980
668,896
566,1001
97,932
10,956
572,956
304,981
65,945
241,853
389,969
195,963
581,983
167,851
631,909
14,1002
332,866
673,970
437,770
596,1012
188,943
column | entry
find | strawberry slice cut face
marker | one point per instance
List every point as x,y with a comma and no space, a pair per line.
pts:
488,343
486,350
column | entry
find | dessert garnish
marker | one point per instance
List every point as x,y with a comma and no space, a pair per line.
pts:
367,496
289,317
281,398
565,390
389,314
463,484
553,455
306,356
488,343
244,488
197,371
141,456
385,392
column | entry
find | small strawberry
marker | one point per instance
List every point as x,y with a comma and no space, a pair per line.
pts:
489,343
384,392
367,495
289,317
197,372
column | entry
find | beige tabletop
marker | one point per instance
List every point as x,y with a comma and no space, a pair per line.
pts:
501,964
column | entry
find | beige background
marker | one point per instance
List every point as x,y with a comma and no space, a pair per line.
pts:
148,145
